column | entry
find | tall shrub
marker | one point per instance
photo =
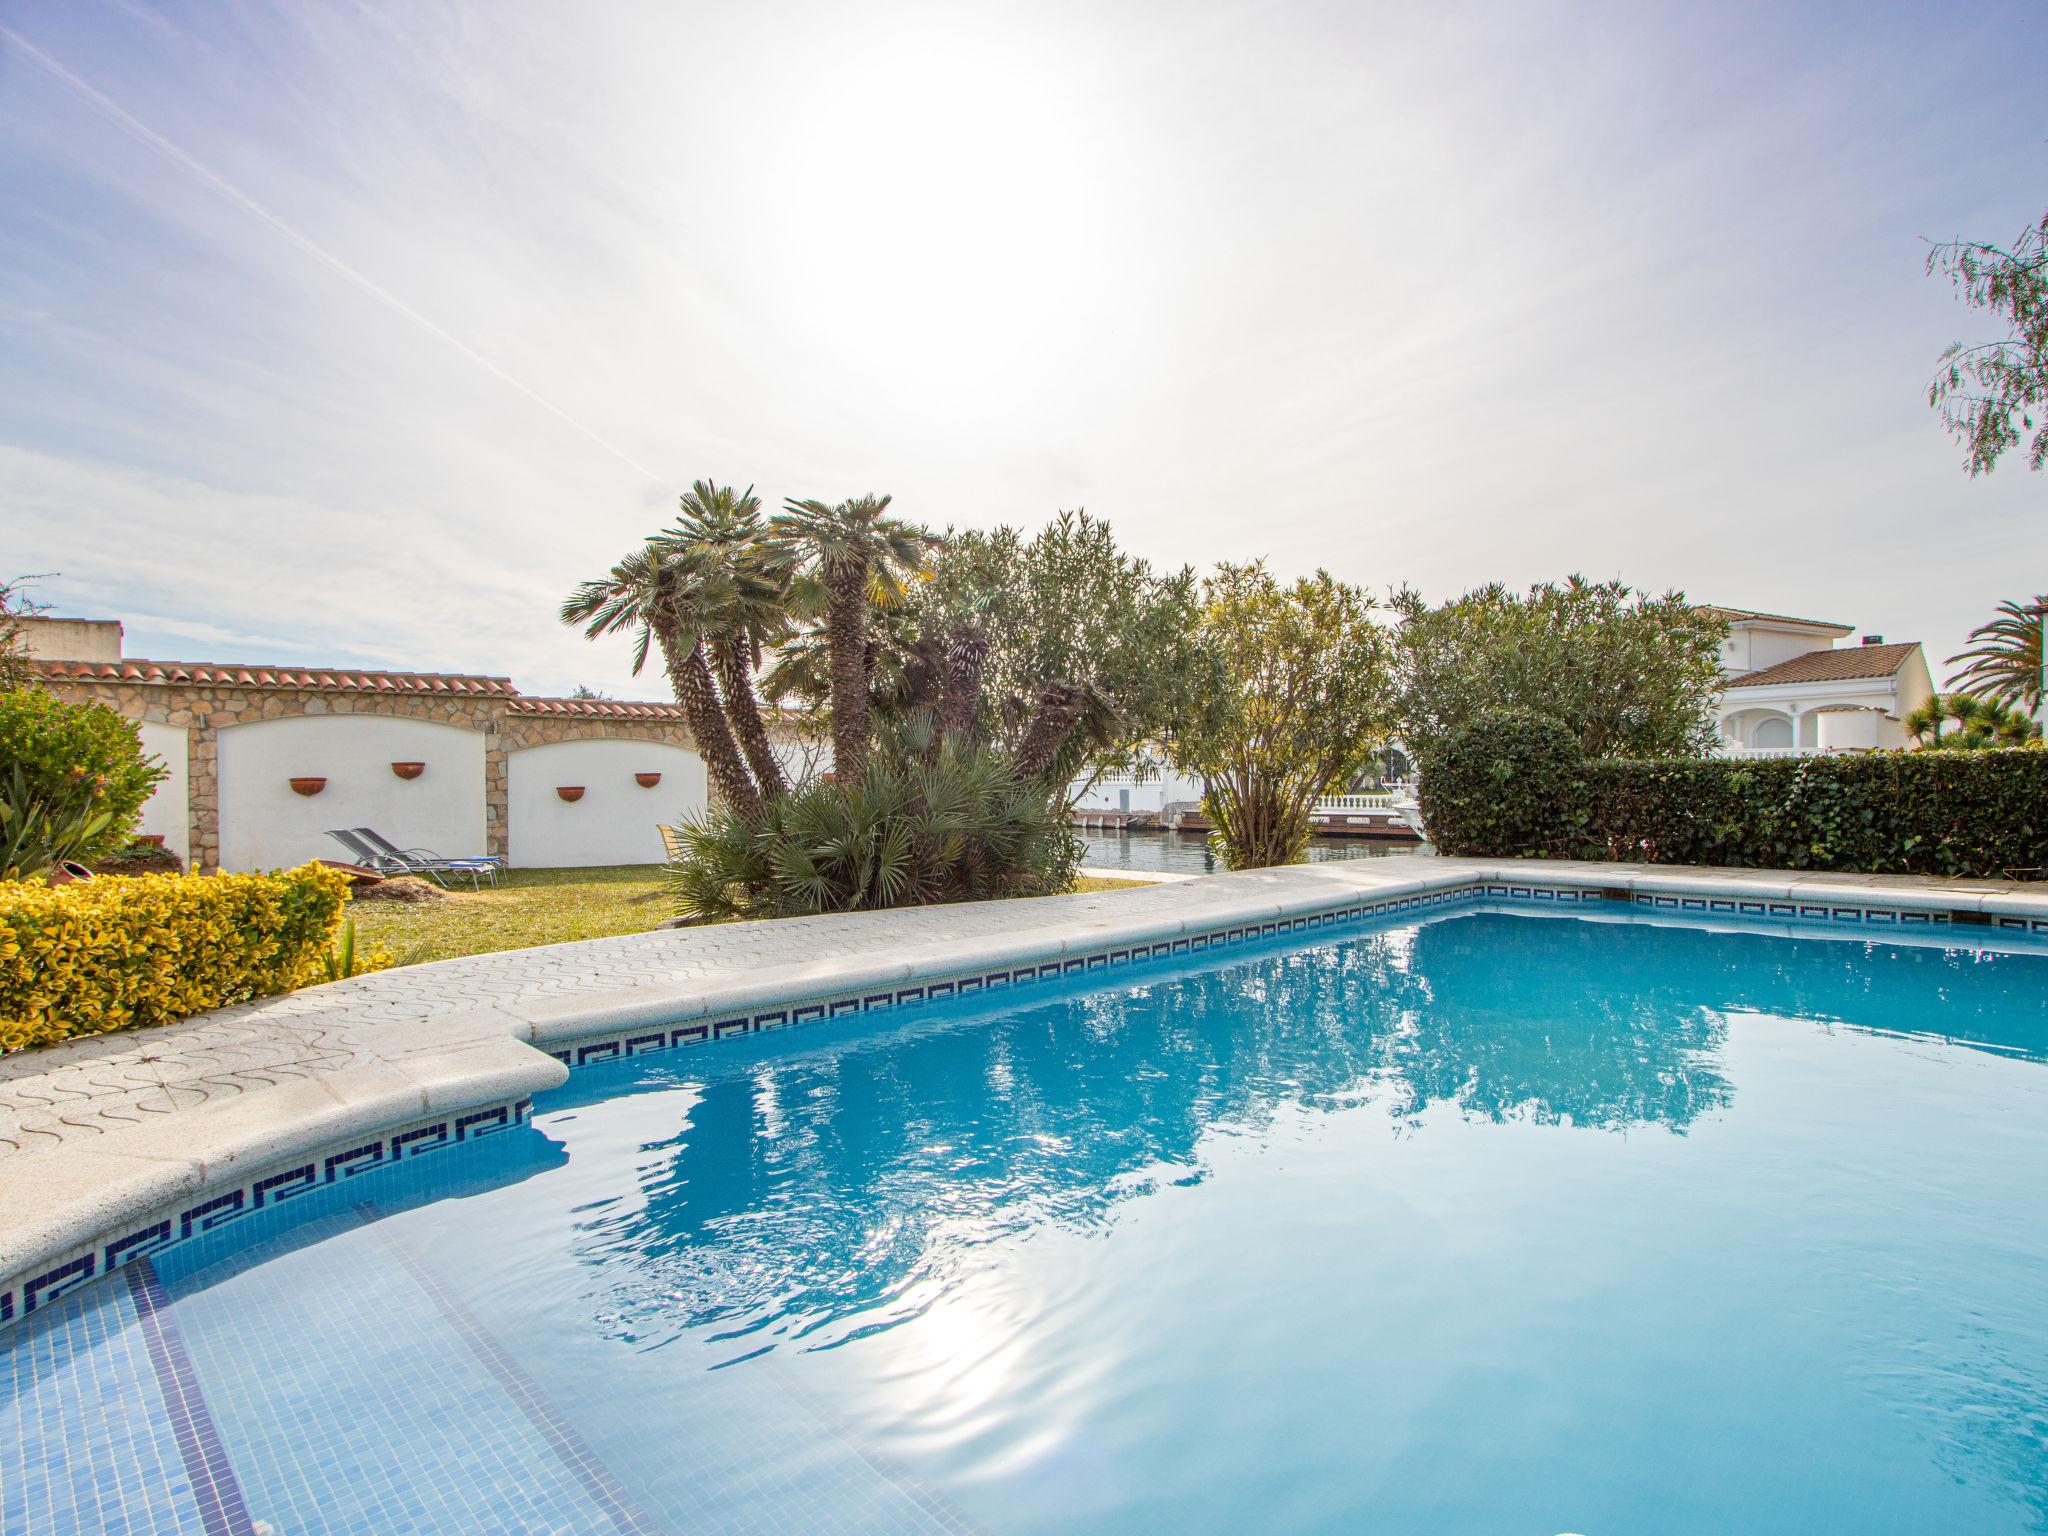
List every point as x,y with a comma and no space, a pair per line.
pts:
1295,703
18,668
1507,779
1628,674
72,761
1091,655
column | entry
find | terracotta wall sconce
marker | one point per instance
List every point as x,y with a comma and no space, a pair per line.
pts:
647,780
570,792
408,770
308,786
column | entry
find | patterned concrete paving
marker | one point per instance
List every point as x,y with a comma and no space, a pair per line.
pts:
93,1086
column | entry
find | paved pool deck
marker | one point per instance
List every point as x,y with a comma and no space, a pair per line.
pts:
100,1131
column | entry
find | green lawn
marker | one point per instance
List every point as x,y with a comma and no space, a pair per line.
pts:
534,906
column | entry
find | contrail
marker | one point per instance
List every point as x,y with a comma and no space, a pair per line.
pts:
108,108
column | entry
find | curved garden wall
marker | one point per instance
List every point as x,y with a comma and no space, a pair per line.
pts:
266,824
615,820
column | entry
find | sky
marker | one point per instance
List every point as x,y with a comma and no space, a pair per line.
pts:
358,333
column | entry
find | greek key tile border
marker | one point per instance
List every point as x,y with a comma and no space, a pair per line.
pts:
24,1294
647,1041
1781,909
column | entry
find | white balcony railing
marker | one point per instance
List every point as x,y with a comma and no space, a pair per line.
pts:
1355,803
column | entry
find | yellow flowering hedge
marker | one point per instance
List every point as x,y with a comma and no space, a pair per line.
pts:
111,954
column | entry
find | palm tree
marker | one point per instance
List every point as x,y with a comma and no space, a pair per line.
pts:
736,594
1924,724
641,593
1980,723
2005,662
1986,723
855,555
802,669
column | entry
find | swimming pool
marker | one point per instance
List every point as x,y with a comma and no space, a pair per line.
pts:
1494,1220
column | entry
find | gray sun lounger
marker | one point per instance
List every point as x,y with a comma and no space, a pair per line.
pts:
386,857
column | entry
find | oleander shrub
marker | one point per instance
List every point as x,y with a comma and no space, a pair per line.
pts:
102,955
1926,813
1501,781
70,766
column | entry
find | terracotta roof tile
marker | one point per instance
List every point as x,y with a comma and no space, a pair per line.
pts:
205,674
1739,615
1831,666
596,709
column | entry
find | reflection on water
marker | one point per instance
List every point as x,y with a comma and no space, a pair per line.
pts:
1185,853
811,1188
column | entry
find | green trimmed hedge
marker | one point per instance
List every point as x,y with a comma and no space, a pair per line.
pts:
128,951
1925,813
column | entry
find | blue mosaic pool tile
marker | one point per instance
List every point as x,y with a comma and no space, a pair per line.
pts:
571,1451
263,1191
214,1487
87,1441
454,1451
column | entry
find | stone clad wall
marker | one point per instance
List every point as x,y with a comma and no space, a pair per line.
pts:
203,711
507,722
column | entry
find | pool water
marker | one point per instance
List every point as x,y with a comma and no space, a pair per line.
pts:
1493,1222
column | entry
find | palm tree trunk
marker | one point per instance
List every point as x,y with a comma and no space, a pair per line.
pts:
1059,711
966,659
846,634
699,698
736,678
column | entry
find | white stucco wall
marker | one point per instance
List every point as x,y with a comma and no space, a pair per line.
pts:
1160,789
166,812
616,821
1768,647
1752,647
1855,730
1912,686
264,824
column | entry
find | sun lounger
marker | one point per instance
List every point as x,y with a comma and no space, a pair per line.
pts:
422,861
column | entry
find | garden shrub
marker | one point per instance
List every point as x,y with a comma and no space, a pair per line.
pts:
102,955
69,760
963,827
1929,813
1503,781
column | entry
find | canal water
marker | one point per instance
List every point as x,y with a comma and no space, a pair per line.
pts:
1187,853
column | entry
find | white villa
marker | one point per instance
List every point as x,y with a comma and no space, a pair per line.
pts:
1791,689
